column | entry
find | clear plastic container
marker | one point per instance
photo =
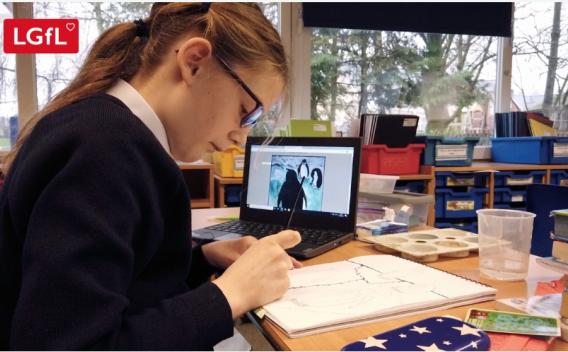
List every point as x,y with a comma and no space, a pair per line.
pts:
417,203
403,215
370,183
504,243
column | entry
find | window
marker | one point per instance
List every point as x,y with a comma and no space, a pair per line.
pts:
273,119
272,11
8,96
447,80
55,71
540,60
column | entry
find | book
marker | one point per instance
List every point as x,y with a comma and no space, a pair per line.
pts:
507,322
560,251
539,129
552,263
540,118
308,128
516,342
522,124
379,227
560,224
366,289
563,237
394,131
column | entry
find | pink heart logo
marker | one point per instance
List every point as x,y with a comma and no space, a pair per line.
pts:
70,26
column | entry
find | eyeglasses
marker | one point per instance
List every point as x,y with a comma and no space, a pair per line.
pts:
254,115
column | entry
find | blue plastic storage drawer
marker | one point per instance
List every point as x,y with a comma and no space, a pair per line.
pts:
509,206
559,177
450,204
558,150
506,195
530,150
410,186
465,226
449,151
232,195
456,179
520,150
518,178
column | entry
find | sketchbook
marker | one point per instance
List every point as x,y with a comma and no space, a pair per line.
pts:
367,289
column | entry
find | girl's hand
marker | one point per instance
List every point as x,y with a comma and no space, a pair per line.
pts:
260,275
222,254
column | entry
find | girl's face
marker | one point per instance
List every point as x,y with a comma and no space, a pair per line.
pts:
208,104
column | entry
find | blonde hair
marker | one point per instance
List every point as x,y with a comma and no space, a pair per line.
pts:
239,33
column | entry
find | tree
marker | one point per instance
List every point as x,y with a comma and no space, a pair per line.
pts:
324,73
552,60
357,71
54,72
272,11
544,45
450,71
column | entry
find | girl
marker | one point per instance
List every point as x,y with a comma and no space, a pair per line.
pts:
95,246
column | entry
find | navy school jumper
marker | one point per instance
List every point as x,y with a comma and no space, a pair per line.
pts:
95,246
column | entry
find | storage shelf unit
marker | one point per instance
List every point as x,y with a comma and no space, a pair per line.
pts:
427,174
491,167
220,185
222,182
199,179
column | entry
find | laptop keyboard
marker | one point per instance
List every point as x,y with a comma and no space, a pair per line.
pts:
259,230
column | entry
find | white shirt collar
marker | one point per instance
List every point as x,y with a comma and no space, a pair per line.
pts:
124,92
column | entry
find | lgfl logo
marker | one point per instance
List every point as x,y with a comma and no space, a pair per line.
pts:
41,36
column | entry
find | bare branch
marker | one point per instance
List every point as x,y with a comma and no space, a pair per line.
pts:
7,69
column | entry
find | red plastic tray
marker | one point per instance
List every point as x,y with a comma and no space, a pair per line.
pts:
380,159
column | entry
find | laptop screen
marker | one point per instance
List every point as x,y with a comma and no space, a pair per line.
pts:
316,176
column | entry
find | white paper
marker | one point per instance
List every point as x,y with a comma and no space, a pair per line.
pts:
239,162
363,288
546,305
517,198
451,152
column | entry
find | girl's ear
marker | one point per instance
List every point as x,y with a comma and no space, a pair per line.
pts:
193,55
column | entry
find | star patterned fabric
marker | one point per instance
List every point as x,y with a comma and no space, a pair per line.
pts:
432,334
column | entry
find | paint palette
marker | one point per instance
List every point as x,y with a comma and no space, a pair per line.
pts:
428,245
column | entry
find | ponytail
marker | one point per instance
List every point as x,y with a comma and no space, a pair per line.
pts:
114,55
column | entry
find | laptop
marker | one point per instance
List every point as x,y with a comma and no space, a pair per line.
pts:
308,184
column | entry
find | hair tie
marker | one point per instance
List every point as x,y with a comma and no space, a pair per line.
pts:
142,29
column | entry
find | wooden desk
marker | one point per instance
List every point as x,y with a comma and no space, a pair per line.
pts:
467,267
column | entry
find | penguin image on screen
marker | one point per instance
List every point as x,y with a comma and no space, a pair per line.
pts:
289,190
303,169
317,178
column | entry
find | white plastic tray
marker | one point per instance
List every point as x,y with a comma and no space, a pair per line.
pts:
428,245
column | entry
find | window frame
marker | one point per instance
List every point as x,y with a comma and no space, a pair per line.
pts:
26,93
25,72
297,42
301,83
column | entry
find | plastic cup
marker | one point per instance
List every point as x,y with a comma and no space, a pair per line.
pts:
504,243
